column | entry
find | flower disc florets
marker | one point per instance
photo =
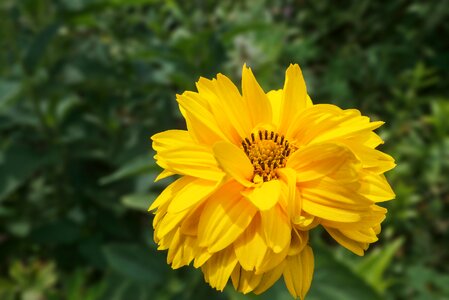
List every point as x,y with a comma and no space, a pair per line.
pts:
267,151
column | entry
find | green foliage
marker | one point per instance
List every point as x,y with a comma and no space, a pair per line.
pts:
85,83
30,281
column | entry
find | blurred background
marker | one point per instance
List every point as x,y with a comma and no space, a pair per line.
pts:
84,84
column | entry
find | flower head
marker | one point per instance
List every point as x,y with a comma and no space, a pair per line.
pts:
258,171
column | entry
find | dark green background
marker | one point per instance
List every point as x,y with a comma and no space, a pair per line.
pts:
84,84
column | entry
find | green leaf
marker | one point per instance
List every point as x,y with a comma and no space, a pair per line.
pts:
138,201
375,264
57,232
38,46
19,228
8,90
78,287
334,280
17,164
135,262
139,165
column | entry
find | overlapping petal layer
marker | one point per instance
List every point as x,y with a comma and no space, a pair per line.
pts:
257,171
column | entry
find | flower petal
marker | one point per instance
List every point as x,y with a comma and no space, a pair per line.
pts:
330,212
288,175
376,188
354,246
294,98
334,193
225,216
234,162
191,194
272,260
265,195
201,122
269,278
277,230
208,89
227,105
328,123
178,153
259,107
316,161
182,250
250,247
168,223
163,174
245,281
189,225
275,97
363,235
219,267
170,191
201,257
298,273
372,159
369,218
299,241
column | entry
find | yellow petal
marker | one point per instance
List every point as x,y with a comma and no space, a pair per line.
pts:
250,247
192,194
202,256
269,278
277,230
334,193
309,102
376,188
369,218
328,123
298,273
170,191
234,162
219,267
305,221
201,122
181,251
225,216
233,106
299,241
288,175
348,129
165,242
265,196
163,174
294,98
272,260
173,249
330,212
355,247
275,98
185,253
255,98
316,161
168,223
363,236
245,281
189,225
178,153
208,90
372,159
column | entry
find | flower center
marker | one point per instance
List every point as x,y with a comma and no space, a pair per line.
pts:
267,151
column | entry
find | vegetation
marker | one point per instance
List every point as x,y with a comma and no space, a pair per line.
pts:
85,83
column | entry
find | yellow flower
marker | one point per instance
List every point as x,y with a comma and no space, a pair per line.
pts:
257,172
